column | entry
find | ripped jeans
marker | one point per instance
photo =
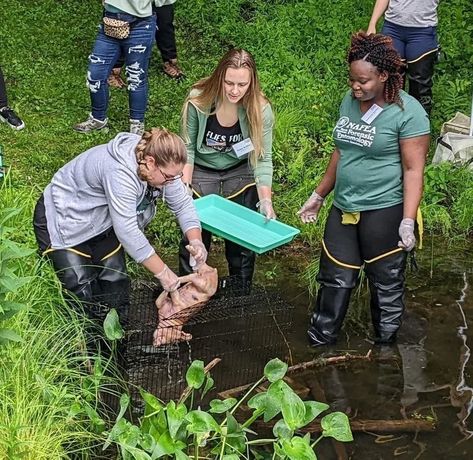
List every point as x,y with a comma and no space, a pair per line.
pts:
136,49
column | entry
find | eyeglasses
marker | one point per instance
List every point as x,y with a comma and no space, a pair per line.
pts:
167,177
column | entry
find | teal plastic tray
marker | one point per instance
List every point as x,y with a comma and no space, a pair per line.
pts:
241,225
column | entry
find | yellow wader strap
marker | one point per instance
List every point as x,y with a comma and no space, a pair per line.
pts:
382,256
420,226
110,254
68,249
335,261
350,218
231,196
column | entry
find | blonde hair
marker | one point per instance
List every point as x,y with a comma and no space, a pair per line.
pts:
164,146
211,94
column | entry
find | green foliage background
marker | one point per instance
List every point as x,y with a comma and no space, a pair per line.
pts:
300,49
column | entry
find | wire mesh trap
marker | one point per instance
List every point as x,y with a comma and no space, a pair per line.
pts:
244,329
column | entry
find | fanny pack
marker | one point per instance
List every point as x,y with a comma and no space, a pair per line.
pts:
116,28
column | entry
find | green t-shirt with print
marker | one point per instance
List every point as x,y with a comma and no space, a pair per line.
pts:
369,171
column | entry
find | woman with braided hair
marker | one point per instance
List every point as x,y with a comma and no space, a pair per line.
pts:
376,173
96,208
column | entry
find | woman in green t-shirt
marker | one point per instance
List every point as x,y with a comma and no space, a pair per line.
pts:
376,172
228,128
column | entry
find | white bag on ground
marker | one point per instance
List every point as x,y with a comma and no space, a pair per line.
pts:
454,144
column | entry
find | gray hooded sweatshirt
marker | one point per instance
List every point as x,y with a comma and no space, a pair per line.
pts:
100,188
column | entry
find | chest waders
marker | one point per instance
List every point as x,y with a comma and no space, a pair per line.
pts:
236,184
370,244
94,271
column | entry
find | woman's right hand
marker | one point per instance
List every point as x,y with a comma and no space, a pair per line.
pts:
168,279
310,210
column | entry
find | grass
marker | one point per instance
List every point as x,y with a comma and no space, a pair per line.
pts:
300,50
48,396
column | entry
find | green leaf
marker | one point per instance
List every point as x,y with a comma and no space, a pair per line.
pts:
312,410
337,425
136,453
176,415
13,283
14,251
201,422
275,370
218,406
298,449
195,375
124,403
292,407
181,455
282,431
209,383
233,427
153,404
268,403
230,457
7,335
112,327
8,309
147,442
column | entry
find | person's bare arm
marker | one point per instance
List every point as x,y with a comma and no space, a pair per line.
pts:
413,154
378,10
328,180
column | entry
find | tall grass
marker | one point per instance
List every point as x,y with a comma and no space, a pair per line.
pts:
48,395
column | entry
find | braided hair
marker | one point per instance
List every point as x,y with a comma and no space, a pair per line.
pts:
163,145
378,50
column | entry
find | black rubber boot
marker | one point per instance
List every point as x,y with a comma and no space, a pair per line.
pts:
241,261
419,74
386,281
184,256
241,266
336,284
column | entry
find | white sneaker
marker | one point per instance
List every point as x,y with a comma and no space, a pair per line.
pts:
91,124
137,127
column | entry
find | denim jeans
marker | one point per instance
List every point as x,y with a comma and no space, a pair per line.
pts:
136,49
411,42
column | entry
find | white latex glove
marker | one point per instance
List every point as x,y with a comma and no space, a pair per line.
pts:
189,190
265,207
310,210
168,279
406,233
198,253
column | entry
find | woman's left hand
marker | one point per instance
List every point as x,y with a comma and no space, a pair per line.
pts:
265,207
198,253
406,233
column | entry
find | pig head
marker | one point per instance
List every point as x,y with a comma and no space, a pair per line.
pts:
175,308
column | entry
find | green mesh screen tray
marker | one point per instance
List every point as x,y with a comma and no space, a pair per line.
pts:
241,225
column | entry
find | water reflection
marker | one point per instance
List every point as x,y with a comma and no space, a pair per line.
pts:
428,375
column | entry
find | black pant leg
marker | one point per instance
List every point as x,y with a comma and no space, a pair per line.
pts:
165,34
3,91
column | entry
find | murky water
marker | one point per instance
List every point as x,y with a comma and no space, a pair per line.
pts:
428,374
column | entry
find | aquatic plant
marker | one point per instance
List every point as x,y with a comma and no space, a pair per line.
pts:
180,430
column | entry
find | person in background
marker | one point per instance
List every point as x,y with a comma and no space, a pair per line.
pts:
412,24
166,38
7,114
228,127
127,30
96,208
376,173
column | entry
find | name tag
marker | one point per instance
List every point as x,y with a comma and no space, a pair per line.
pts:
371,113
243,148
